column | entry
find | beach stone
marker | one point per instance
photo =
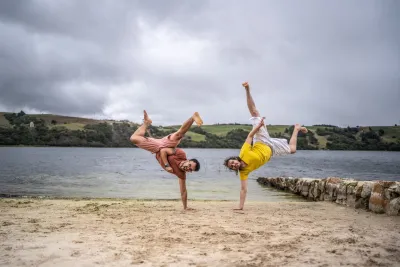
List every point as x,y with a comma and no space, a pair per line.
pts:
296,189
331,187
362,201
386,190
314,189
341,193
379,200
286,182
272,181
316,193
343,189
292,184
393,208
394,190
358,189
396,187
281,183
354,195
321,189
377,196
263,181
305,188
367,189
277,181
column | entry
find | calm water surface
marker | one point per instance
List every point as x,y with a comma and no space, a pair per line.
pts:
134,173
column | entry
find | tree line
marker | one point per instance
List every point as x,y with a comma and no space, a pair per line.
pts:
33,131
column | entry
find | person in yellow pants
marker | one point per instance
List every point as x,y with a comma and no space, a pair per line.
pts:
259,147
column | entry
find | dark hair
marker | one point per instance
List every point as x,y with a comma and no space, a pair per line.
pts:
232,158
197,164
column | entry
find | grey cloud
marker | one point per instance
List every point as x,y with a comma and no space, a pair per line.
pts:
49,45
309,61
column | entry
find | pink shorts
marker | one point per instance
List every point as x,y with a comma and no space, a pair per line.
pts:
154,145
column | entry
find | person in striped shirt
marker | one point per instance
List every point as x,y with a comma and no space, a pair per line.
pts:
170,158
259,147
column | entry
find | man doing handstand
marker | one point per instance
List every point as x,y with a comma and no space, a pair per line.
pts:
253,156
171,158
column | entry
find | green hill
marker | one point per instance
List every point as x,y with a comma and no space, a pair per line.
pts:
69,122
57,130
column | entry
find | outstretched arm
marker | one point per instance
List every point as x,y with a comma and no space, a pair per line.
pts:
182,186
164,153
254,131
243,193
250,102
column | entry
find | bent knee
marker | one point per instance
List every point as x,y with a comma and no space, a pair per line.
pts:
255,113
135,139
177,136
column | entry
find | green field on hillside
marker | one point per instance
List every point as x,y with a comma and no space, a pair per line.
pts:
65,119
70,126
196,137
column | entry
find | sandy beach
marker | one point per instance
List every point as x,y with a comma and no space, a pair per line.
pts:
36,232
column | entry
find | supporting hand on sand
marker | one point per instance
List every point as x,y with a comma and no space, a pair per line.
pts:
189,209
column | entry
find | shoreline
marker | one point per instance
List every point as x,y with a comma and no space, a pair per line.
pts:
288,198
19,197
61,232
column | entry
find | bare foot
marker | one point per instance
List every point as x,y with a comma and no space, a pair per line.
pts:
298,128
246,85
197,119
146,118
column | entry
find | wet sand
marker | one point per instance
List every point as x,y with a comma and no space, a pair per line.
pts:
36,232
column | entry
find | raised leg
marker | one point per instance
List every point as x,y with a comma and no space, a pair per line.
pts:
140,132
250,102
186,126
293,139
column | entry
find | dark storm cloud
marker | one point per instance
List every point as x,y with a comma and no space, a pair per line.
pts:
311,62
49,49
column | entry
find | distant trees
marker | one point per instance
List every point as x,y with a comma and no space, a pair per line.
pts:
105,134
98,135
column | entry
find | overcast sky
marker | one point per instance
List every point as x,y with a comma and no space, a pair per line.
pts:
308,62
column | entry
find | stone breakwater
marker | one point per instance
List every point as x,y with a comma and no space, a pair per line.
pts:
375,196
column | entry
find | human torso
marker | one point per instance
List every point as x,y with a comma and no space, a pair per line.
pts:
174,161
254,157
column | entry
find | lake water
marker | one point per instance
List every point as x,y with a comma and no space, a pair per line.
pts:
134,173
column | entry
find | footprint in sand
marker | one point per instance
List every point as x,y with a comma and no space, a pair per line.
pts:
76,253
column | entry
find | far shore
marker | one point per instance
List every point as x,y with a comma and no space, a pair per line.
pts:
121,232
